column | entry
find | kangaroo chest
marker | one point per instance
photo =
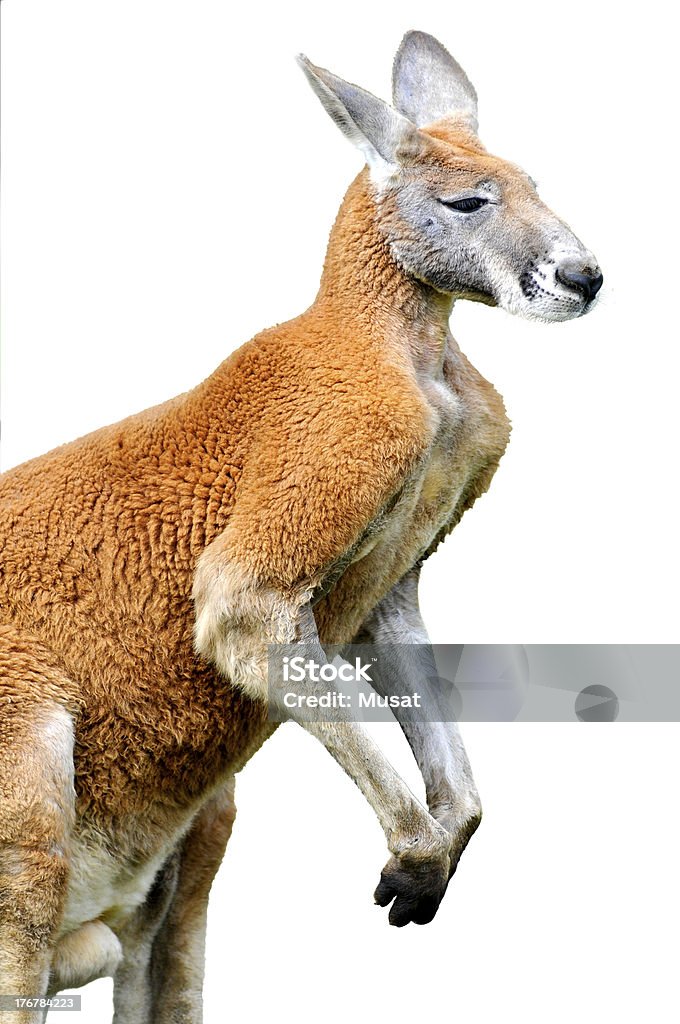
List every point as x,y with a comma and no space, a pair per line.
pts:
469,435
468,439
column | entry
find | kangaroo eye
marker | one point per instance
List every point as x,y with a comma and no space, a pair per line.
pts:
468,205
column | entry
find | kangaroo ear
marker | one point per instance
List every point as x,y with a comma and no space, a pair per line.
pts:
428,84
383,135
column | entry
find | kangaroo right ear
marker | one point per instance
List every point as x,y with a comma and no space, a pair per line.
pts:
428,84
383,135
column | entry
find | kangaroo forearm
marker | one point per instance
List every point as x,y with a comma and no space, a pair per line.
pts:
407,825
440,754
406,666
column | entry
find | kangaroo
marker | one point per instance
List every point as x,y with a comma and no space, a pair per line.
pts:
291,497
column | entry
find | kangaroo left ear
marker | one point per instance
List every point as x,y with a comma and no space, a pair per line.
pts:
428,84
384,136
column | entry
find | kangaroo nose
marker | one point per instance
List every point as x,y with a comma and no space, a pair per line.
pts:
586,281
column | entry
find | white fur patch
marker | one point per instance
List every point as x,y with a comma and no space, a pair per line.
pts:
236,619
102,886
54,748
90,952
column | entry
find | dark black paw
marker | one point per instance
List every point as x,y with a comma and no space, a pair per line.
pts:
417,889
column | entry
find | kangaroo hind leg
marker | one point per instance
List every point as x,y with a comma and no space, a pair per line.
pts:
37,801
161,975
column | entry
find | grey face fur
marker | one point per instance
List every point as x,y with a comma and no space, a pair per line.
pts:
463,221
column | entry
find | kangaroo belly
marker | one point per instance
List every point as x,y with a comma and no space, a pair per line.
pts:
109,886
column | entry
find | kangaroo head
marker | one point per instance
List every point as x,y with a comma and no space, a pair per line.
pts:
455,217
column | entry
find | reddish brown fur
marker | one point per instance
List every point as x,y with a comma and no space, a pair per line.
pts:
100,537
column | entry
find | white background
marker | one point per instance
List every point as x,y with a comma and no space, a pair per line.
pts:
169,181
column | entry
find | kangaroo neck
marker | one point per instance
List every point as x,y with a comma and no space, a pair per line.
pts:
363,283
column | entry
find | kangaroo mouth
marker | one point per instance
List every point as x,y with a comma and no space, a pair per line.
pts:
476,295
